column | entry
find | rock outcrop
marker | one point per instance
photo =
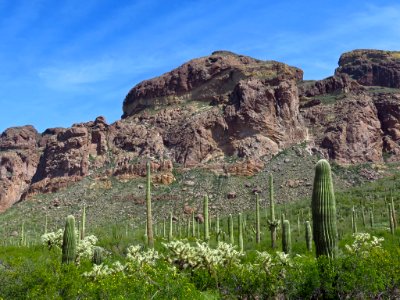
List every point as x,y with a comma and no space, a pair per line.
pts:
371,67
208,79
19,158
214,107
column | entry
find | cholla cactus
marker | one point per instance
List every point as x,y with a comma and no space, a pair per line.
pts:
52,239
185,256
84,248
139,258
101,271
363,244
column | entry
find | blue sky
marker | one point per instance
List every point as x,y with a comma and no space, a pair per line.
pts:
63,62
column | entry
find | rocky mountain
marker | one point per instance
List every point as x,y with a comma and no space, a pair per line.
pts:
225,112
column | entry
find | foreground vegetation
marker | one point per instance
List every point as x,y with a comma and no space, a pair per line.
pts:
223,260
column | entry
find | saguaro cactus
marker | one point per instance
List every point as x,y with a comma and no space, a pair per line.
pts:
217,232
286,237
272,222
170,227
394,214
206,221
97,257
354,220
240,234
193,225
69,241
324,211
83,227
371,218
390,215
149,229
258,239
308,236
230,228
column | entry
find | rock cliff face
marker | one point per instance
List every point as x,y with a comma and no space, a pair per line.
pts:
372,67
214,107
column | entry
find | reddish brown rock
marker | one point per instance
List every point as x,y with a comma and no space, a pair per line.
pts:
349,131
371,67
19,158
342,83
208,79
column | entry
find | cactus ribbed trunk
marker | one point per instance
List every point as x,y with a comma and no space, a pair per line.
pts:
286,237
363,216
188,228
164,229
371,218
83,226
170,228
150,237
206,220
69,241
273,223
324,211
97,258
240,235
230,228
258,238
45,225
217,233
22,241
354,220
193,226
394,214
390,215
308,236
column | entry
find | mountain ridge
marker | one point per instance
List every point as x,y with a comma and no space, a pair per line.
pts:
213,108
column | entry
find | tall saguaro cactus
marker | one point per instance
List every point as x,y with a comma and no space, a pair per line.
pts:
170,227
206,221
258,239
394,214
149,229
230,229
69,241
272,222
240,234
324,211
193,225
286,237
83,228
354,220
308,236
217,231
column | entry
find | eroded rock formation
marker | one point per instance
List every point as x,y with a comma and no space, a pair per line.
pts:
214,107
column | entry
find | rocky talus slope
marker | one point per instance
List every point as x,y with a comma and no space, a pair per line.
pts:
226,112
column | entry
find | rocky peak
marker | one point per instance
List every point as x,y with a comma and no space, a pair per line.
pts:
208,79
371,67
